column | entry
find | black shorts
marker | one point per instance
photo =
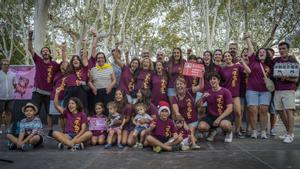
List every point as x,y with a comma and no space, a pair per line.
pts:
41,140
209,119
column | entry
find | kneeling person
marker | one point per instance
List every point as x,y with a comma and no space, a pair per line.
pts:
219,108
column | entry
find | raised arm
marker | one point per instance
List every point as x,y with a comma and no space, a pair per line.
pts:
85,54
94,42
63,52
56,104
246,67
30,46
249,43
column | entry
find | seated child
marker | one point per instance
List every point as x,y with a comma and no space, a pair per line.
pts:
185,134
163,132
141,121
98,135
115,125
75,127
31,130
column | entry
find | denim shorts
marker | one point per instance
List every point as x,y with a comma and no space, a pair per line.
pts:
255,98
194,124
139,129
171,92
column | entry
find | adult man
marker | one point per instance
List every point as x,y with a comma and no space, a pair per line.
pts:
7,90
233,49
146,53
284,97
43,80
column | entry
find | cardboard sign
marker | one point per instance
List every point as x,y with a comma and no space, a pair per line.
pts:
97,124
286,70
193,69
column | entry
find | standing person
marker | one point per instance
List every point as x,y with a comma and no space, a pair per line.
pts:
128,77
233,49
192,81
43,80
31,130
219,108
257,95
77,78
102,80
218,59
231,75
7,90
144,76
146,53
184,107
159,83
284,97
272,111
175,69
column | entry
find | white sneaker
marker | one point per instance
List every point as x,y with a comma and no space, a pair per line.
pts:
228,137
282,137
288,139
273,132
263,135
212,135
254,134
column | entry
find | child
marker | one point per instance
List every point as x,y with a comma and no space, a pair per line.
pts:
115,125
75,127
185,134
31,130
141,121
163,134
98,135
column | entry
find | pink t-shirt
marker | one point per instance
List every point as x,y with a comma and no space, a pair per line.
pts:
231,78
217,101
44,73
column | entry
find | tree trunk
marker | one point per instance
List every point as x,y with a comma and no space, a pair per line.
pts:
40,23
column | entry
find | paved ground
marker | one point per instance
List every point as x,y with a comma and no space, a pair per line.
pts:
240,154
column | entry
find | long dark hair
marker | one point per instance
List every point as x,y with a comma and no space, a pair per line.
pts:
71,67
79,105
211,67
172,61
121,104
268,60
164,74
146,96
137,70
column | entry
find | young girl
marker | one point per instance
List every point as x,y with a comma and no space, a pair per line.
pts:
185,134
141,121
75,128
163,131
31,130
98,135
159,83
115,125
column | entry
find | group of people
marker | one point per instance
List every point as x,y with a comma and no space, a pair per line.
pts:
140,103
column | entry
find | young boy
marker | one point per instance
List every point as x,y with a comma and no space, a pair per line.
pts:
141,121
31,130
163,132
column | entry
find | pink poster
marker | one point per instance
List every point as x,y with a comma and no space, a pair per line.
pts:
25,81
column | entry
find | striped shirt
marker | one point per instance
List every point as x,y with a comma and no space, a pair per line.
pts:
102,77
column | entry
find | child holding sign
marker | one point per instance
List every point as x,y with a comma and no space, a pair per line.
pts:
97,125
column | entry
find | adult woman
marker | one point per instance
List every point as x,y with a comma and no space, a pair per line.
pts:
175,69
145,73
128,77
231,75
209,67
257,95
218,60
159,83
102,80
184,107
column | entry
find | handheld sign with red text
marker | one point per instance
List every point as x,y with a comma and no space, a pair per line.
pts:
97,124
193,69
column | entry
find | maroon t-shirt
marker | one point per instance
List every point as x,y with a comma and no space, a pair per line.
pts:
44,73
143,79
217,101
284,85
177,70
163,128
91,62
231,77
153,110
74,121
126,112
256,77
77,78
186,107
127,83
185,133
58,81
158,89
